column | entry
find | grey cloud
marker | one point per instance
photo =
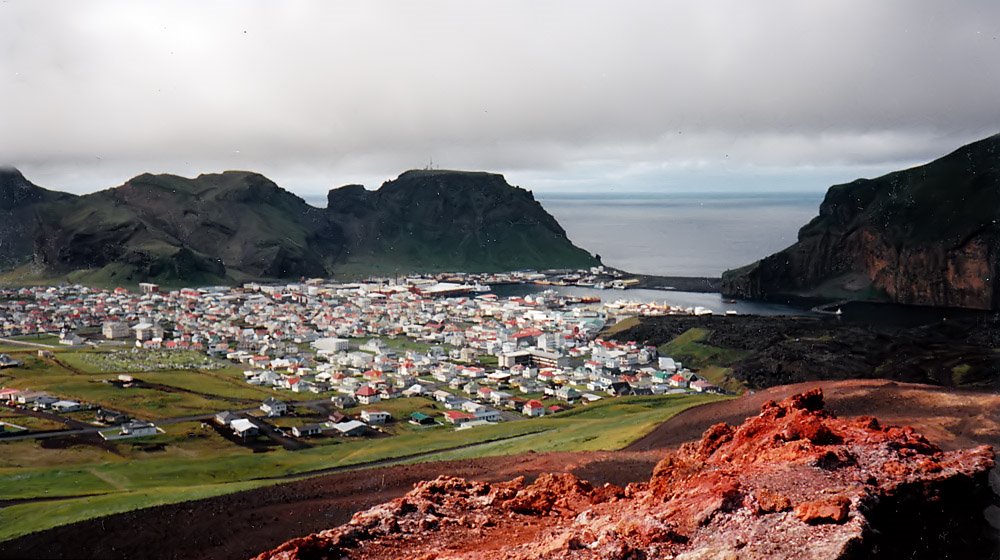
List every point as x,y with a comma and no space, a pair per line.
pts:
316,94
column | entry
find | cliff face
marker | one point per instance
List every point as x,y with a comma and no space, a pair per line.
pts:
925,236
450,220
235,225
792,482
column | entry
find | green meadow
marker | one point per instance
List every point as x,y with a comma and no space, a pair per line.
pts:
82,481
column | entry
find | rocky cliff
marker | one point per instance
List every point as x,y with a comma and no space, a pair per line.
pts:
237,225
792,482
925,236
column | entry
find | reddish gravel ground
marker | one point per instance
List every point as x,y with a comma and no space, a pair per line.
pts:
244,524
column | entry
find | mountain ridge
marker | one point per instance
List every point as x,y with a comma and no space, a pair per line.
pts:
238,225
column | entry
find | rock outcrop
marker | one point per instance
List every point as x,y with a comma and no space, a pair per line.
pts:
924,236
792,482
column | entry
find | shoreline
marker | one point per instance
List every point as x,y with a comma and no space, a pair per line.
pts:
696,284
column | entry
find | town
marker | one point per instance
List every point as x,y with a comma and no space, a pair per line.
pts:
329,359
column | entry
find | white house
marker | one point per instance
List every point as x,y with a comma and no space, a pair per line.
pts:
273,407
499,398
567,393
533,408
70,339
414,390
367,395
306,430
243,428
375,416
488,414
132,429
667,363
703,386
351,428
138,429
65,406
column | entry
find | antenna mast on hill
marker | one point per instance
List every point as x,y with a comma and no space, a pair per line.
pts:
430,165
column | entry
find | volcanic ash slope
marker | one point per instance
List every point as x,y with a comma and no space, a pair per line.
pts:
792,482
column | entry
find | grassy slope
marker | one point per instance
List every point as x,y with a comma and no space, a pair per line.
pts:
712,362
621,326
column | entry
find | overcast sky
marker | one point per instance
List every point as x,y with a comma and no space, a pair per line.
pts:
575,95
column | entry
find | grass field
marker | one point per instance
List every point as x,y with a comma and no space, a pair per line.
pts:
40,338
30,422
403,344
196,463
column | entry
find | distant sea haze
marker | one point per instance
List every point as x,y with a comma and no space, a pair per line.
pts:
682,234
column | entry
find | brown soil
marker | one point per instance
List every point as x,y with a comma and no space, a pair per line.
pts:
78,440
244,524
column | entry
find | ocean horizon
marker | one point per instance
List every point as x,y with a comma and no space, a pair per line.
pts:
682,234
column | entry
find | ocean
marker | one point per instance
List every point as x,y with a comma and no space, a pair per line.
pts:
682,234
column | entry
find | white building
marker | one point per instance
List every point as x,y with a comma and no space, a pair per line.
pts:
66,406
331,345
667,363
138,429
147,331
488,414
115,329
273,407
375,416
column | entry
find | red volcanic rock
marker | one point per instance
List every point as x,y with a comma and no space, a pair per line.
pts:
792,482
824,510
